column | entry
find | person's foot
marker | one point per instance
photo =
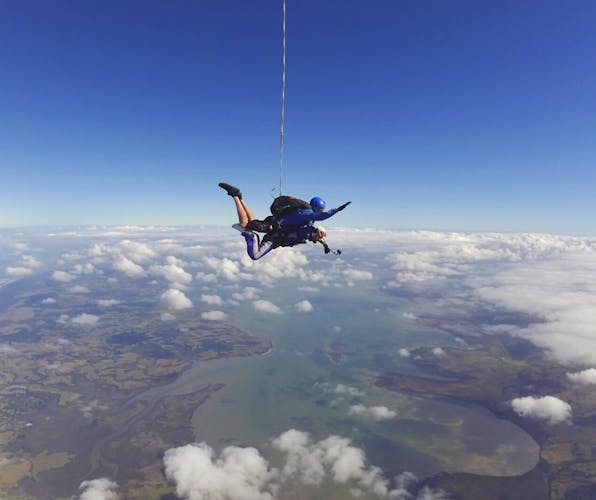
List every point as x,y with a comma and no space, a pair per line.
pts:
231,190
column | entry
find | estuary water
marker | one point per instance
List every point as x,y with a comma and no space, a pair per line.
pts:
296,386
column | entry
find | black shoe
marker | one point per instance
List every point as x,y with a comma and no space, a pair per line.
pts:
231,190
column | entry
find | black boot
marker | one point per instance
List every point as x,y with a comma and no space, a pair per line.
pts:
231,190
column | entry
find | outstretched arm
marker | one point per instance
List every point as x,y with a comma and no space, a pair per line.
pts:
303,216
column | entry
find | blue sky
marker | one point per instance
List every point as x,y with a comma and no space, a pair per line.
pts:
429,115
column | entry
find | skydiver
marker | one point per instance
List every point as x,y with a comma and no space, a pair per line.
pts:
278,235
296,213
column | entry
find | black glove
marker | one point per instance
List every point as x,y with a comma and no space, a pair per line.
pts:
341,207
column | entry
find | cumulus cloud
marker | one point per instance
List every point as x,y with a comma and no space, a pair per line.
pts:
224,268
25,267
87,268
172,272
438,352
136,251
236,474
303,306
404,353
128,267
584,377
212,300
335,456
62,276
357,275
376,413
175,299
19,271
165,317
7,349
94,406
48,300
214,315
346,389
548,408
108,302
266,307
542,287
249,293
85,319
98,489
78,289
289,263
199,473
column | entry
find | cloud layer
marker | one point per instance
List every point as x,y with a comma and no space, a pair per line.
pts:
242,473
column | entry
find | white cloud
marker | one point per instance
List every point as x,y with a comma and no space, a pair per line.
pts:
18,272
282,263
7,349
439,352
87,268
136,251
175,299
78,289
173,273
212,300
427,493
249,293
25,267
334,456
226,269
237,474
303,306
198,473
408,315
404,353
214,315
62,276
165,317
98,489
85,319
357,275
266,307
584,377
346,389
108,302
542,287
548,408
337,328
48,300
376,413
128,267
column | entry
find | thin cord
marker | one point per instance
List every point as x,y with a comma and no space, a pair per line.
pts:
283,101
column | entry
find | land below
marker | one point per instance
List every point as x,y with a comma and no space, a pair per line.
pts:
491,373
69,393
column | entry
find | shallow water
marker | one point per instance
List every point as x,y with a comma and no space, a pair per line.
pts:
293,387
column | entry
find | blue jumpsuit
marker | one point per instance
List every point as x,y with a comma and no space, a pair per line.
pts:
303,216
288,238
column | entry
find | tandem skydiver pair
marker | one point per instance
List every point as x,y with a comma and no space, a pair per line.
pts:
290,223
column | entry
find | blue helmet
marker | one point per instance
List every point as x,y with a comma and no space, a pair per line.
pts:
317,204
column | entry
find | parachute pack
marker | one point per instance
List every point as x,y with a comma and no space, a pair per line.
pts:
283,205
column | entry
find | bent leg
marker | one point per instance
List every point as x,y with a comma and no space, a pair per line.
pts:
254,247
242,213
247,210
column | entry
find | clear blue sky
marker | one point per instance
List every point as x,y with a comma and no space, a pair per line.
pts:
470,115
